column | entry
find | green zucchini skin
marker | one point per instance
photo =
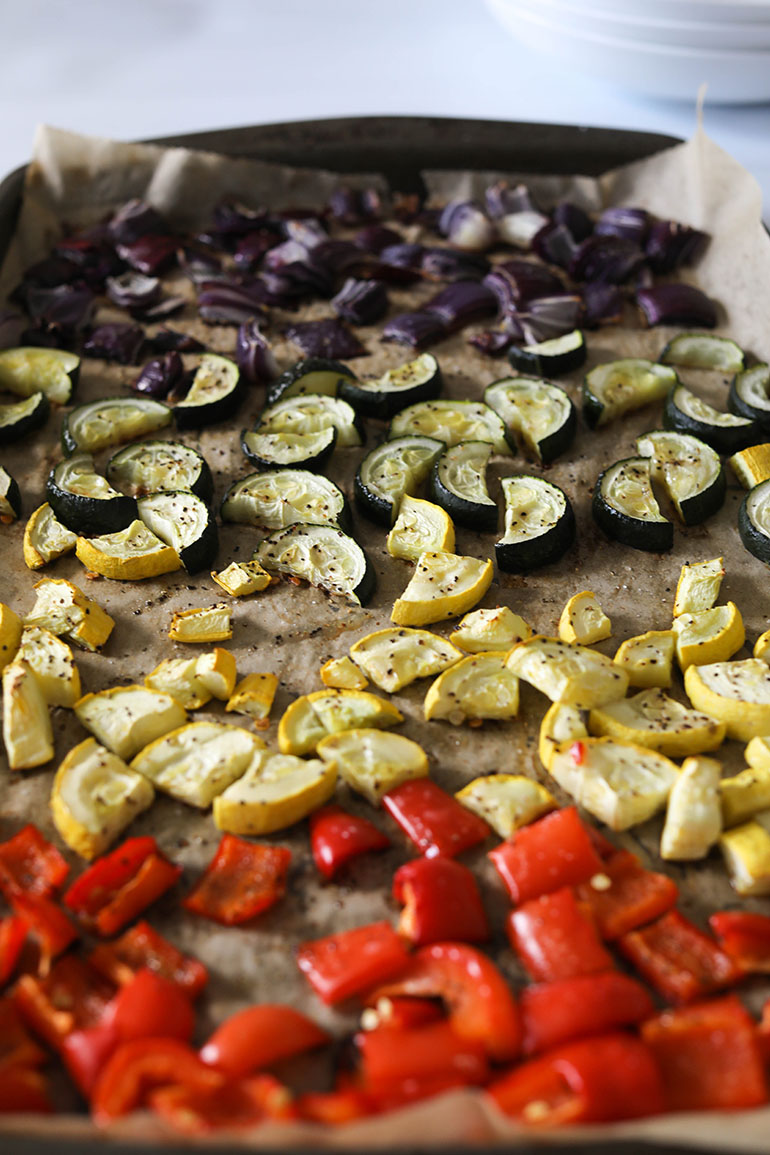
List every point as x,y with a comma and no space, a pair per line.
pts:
754,538
726,439
638,533
383,404
265,460
544,359
375,505
349,434
200,415
87,515
473,514
201,552
548,448
230,512
291,381
12,492
758,378
543,549
14,424
706,502
69,437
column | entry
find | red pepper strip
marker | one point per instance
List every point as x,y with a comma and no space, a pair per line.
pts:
13,932
119,886
352,961
47,923
442,902
479,1002
609,1077
139,1067
555,938
763,1032
625,896
17,1047
390,1056
336,837
332,1107
241,881
30,863
403,1012
22,1089
553,852
243,1104
678,960
709,1056
86,1053
71,997
151,1007
745,937
555,1013
259,1036
142,946
434,820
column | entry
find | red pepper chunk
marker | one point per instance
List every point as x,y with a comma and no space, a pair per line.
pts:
47,923
609,1077
73,996
352,961
478,1000
235,1105
151,1006
391,1055
138,1067
678,960
442,902
242,880
557,1012
17,1047
28,862
142,946
22,1090
625,896
434,820
553,852
337,836
13,932
745,937
555,938
709,1056
259,1036
119,886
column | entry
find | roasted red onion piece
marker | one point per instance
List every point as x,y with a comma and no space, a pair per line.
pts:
296,281
459,304
466,225
67,307
452,265
46,336
574,218
253,355
95,259
198,264
517,281
119,342
231,302
51,272
492,342
677,305
340,257
602,304
502,200
606,258
520,229
231,220
160,376
133,221
548,317
670,245
166,340
309,231
361,302
251,249
351,206
419,329
403,254
555,244
327,338
374,238
165,307
151,254
286,253
133,290
632,224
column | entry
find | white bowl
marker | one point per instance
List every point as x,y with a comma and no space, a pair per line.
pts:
675,73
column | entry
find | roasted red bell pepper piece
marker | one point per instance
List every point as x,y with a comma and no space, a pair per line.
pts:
555,1013
119,886
709,1056
139,1067
142,946
678,960
745,937
13,932
86,1053
337,836
151,1007
434,820
47,924
608,1077
242,879
389,1056
22,1090
73,996
624,896
259,1036
17,1047
553,852
332,1107
555,937
31,863
402,1012
478,1000
352,961
441,902
237,1104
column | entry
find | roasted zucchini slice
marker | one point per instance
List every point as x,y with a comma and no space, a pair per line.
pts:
506,801
313,375
129,555
22,417
156,466
373,762
215,395
392,470
196,762
298,450
618,387
394,658
479,686
29,370
444,585
485,630
182,521
736,693
754,521
685,412
452,422
277,790
283,497
570,674
539,524
27,731
459,485
624,506
322,555
83,500
383,397
703,351
550,358
420,526
10,496
310,413
538,412
652,719
750,395
127,718
111,421
312,717
690,471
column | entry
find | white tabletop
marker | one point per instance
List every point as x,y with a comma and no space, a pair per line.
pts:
155,67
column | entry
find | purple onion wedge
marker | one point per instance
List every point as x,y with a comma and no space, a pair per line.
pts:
11,326
133,290
252,248
352,206
677,304
309,231
160,376
418,329
520,229
68,306
231,302
462,302
374,238
670,245
602,304
151,254
492,342
574,218
555,244
253,355
611,259
167,340
629,223
466,225
501,199
361,302
327,338
548,317
134,220
517,281
119,342
453,265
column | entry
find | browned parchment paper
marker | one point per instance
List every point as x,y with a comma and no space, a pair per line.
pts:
290,630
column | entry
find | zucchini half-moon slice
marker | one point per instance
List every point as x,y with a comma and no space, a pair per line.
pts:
750,395
558,355
690,471
458,484
312,375
283,497
539,524
215,395
452,422
22,417
754,521
392,470
111,421
271,450
624,506
540,413
154,466
322,555
310,413
83,500
10,496
617,387
685,412
31,369
182,521
382,398
130,554
703,351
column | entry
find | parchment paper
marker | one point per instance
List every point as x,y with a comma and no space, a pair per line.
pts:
291,631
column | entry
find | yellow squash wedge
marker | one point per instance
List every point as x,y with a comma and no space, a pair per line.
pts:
444,585
10,634
506,801
647,658
736,693
746,851
480,686
560,724
65,610
567,673
583,620
745,794
45,538
373,762
652,719
483,630
52,663
27,732
126,718
178,677
393,658
208,624
698,586
342,674
242,578
253,696
198,761
131,554
277,791
694,813
420,526
313,716
708,635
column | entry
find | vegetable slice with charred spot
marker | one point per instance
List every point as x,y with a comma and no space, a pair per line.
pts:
321,555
